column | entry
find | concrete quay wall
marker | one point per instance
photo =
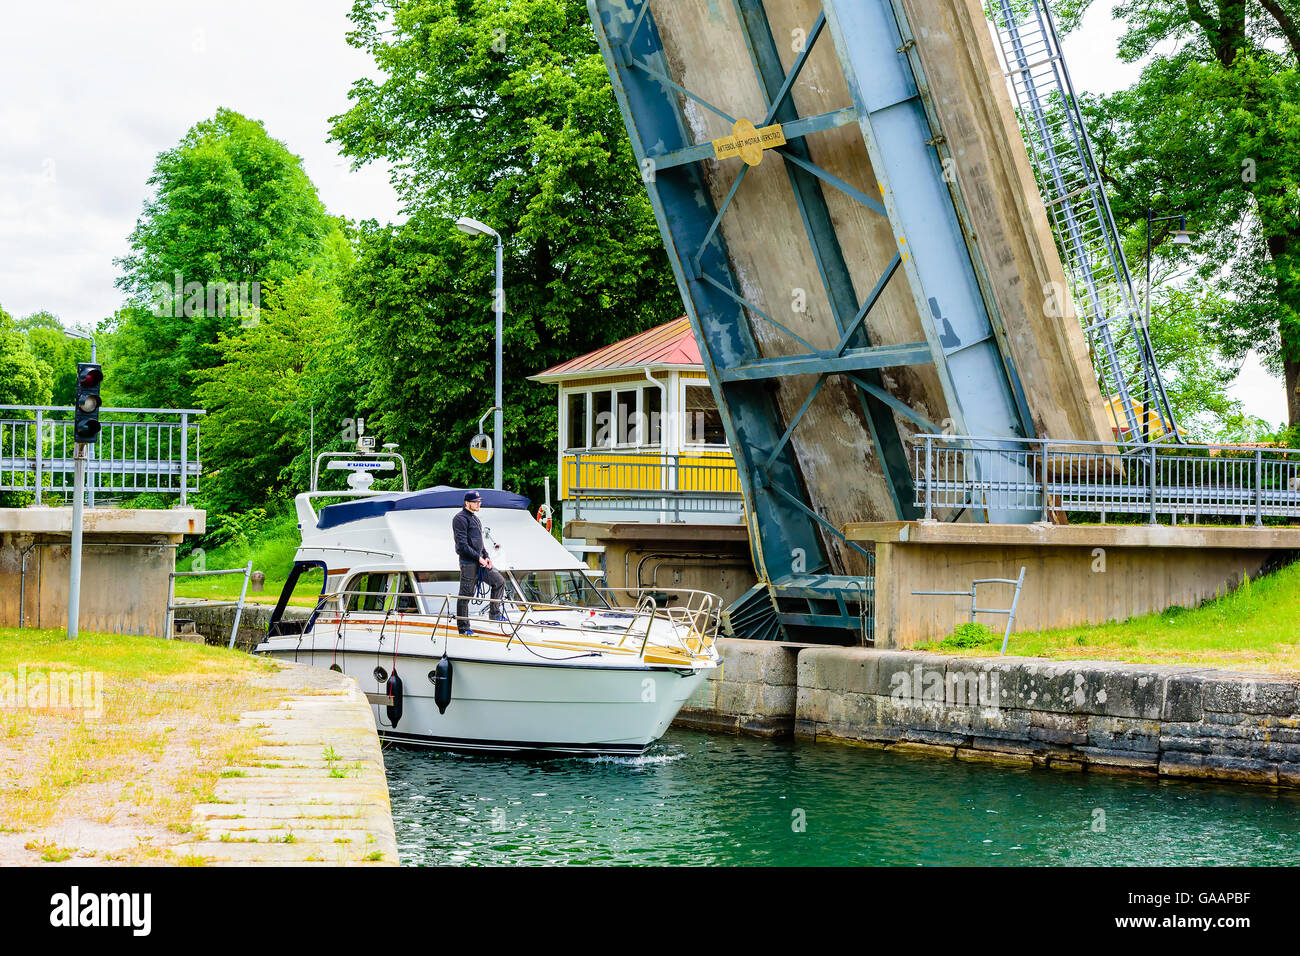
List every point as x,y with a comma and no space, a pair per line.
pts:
1074,574
1101,716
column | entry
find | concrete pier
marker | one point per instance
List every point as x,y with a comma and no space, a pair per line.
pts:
315,789
128,555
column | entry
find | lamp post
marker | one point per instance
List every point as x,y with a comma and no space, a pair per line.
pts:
473,227
78,334
1181,237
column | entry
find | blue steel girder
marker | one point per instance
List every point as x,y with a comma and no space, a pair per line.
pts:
684,209
877,54
804,177
964,337
881,356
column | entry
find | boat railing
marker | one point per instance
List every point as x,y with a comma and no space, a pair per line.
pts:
699,614
697,617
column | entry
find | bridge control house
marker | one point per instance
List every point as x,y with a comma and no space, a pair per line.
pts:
648,486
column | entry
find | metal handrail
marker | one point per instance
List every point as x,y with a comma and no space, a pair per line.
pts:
705,630
632,478
363,456
973,594
169,618
1221,480
1075,202
132,456
104,410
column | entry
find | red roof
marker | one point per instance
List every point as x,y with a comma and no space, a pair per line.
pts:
672,343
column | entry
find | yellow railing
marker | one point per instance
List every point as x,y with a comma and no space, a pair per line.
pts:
700,483
598,473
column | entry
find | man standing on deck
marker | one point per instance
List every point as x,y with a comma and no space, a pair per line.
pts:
468,532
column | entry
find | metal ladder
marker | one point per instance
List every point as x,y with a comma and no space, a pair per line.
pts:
1061,155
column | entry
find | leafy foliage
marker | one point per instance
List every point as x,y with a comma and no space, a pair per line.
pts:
1212,129
24,378
502,111
259,398
49,343
969,634
1196,377
231,205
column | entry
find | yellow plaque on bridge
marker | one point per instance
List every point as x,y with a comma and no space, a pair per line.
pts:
748,143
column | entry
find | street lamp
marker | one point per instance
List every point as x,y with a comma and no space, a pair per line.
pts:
1181,237
78,334
472,227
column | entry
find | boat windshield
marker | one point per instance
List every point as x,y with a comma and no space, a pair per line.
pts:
558,587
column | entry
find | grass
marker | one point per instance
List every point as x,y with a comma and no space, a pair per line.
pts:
332,760
49,852
270,547
1256,627
165,730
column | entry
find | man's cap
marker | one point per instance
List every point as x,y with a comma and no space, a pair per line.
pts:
473,496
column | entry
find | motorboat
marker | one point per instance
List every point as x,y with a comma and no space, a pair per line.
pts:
570,667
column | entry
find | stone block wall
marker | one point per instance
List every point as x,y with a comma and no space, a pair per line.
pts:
214,623
752,692
1071,715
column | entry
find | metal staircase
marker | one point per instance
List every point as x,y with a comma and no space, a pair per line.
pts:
1072,190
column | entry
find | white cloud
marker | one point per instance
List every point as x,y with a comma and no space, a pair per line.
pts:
94,91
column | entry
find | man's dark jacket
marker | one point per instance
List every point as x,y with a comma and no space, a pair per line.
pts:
469,537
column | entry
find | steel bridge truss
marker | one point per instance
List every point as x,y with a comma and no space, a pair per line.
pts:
964,337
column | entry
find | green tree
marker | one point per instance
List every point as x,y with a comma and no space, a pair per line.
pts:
231,207
24,378
503,111
1196,377
49,343
259,398
1212,128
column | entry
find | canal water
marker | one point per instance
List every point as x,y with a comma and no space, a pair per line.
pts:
701,799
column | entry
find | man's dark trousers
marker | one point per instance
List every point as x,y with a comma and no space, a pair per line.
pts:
496,581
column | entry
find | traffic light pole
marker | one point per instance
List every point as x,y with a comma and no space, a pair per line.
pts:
74,559
85,431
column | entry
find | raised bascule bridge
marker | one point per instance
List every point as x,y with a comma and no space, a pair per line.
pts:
887,225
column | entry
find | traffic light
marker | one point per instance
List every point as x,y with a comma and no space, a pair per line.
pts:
86,426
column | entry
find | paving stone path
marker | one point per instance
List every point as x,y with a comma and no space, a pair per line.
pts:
313,792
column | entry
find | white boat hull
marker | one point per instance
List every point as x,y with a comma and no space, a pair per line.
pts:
513,707
560,665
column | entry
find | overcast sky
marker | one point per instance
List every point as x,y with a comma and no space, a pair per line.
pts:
93,90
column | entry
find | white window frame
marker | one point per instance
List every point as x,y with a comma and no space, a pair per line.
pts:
682,384
612,391
565,394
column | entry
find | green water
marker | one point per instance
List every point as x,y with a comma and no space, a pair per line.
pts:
703,799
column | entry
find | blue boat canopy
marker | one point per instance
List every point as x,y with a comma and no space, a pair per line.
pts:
442,496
